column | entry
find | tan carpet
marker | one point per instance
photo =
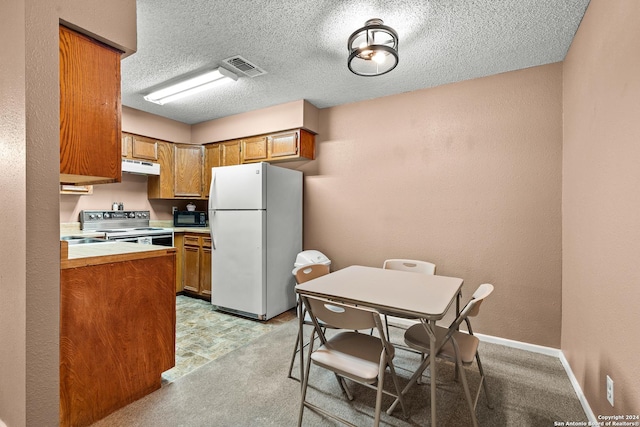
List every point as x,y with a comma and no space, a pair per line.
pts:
249,387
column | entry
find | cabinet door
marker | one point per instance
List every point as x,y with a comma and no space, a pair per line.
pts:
211,160
205,268
161,187
178,242
191,268
188,170
144,148
90,106
254,149
283,144
229,153
127,142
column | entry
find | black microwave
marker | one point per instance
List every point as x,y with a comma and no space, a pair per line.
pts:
189,219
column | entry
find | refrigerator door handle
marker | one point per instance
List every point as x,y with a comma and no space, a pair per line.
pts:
213,238
213,182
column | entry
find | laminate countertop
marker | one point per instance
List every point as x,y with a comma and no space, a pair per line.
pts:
80,255
199,230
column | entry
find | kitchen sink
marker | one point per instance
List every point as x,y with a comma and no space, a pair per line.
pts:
77,240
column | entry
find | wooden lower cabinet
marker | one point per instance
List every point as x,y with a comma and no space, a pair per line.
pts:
117,334
196,265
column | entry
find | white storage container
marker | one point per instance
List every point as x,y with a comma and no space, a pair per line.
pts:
310,257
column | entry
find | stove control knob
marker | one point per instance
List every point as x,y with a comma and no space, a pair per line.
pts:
132,215
144,215
92,216
106,215
139,215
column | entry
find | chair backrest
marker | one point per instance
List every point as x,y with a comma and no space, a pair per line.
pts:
473,306
414,266
311,271
342,316
478,296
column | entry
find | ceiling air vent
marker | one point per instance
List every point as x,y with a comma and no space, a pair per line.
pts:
244,66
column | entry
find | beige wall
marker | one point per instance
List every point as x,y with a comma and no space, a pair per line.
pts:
29,311
467,176
601,205
142,123
12,199
132,191
296,114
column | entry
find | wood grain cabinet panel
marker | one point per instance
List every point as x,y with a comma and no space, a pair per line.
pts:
291,145
230,153
117,335
161,186
191,269
197,265
143,148
189,161
90,111
254,149
211,160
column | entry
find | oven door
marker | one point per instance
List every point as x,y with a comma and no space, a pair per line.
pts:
145,239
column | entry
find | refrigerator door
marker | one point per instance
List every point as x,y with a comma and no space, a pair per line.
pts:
238,261
238,187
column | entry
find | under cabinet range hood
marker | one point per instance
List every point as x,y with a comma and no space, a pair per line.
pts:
140,167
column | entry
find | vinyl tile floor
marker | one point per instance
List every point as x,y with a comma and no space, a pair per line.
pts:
204,334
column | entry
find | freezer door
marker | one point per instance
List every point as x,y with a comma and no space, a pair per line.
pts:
238,187
238,260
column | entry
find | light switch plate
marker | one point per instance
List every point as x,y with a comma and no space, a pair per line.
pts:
610,390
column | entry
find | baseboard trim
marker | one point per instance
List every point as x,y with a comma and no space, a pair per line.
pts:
534,348
549,351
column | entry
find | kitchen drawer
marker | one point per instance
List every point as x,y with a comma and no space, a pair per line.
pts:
192,241
206,242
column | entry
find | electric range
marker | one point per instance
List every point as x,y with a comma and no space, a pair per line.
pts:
126,226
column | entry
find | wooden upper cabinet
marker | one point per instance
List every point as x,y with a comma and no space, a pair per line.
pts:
90,110
138,147
230,153
292,145
161,186
254,149
211,160
144,148
127,142
188,170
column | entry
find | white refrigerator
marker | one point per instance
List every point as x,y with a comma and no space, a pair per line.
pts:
255,216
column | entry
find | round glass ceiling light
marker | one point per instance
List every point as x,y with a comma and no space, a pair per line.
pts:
373,49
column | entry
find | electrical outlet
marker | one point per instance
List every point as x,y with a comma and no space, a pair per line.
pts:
173,209
610,390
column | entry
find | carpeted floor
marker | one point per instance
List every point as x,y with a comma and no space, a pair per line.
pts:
249,387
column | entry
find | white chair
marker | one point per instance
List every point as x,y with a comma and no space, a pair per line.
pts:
304,274
457,346
414,266
362,358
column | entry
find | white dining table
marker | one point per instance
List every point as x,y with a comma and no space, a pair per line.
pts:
407,294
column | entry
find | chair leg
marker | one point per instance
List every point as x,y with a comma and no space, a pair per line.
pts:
386,326
305,381
465,385
376,421
396,383
293,356
483,378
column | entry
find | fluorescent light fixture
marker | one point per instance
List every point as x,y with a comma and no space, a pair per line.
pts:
191,86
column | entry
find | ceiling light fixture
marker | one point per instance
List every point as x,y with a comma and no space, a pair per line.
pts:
191,86
373,49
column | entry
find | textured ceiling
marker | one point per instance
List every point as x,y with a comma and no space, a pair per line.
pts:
302,45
